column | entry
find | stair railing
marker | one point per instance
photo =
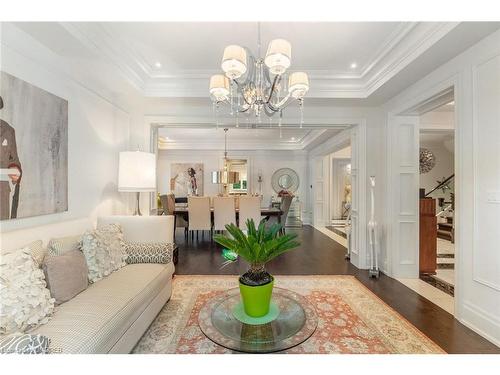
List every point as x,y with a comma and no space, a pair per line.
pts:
440,185
446,209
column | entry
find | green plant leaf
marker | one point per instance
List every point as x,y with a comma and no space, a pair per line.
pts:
259,245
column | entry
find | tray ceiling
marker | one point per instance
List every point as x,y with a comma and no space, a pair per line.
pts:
190,52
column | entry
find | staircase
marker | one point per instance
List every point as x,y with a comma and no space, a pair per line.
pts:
445,230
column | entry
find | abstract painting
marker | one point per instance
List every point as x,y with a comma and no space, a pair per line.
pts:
186,179
34,150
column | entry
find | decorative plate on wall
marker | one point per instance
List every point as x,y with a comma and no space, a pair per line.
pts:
285,179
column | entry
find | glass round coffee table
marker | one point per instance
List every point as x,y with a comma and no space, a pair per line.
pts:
291,321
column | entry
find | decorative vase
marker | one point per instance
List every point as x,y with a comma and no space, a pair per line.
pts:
256,299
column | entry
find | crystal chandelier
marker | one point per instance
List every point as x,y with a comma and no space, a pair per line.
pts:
253,85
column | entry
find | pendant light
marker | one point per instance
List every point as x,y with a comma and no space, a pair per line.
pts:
224,176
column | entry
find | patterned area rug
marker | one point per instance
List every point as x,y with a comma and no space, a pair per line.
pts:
351,319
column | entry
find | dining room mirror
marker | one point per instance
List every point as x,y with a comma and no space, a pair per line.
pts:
241,167
285,179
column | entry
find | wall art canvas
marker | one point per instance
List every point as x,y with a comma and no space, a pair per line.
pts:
34,150
186,179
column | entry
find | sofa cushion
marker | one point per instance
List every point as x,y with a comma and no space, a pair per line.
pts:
25,299
66,275
104,251
61,245
95,319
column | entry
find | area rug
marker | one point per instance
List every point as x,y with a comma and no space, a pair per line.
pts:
351,319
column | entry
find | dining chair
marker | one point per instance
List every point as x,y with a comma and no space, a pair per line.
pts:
199,215
285,204
168,204
164,204
249,209
224,212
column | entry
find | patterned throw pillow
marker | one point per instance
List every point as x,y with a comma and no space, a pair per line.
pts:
26,301
37,251
104,251
24,344
160,252
61,245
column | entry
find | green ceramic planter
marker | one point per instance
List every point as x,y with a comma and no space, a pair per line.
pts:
256,299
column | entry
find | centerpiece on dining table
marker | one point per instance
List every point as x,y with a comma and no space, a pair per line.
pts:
257,246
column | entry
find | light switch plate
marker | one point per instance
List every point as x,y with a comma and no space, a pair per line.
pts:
493,197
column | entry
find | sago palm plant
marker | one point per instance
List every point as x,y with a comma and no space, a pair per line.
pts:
257,247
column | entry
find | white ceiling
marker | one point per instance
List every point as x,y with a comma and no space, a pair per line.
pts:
171,138
190,52
184,48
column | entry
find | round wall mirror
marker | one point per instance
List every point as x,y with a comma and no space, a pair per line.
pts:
285,179
285,182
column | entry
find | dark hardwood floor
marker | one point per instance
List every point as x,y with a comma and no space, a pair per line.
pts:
320,255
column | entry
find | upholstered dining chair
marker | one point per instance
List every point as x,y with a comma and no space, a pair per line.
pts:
285,204
249,209
168,204
199,214
164,204
224,212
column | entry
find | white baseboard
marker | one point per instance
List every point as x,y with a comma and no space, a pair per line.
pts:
474,317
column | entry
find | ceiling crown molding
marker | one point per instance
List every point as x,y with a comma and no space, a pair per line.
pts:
408,41
284,144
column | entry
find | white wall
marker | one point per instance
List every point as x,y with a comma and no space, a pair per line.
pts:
265,161
437,120
97,131
475,75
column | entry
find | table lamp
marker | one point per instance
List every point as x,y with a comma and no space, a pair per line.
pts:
136,174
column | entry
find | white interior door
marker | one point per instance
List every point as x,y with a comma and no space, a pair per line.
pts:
403,187
320,190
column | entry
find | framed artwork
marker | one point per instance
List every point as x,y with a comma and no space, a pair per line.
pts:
34,150
186,179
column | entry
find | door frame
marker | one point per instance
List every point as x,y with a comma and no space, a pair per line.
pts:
334,193
409,107
355,136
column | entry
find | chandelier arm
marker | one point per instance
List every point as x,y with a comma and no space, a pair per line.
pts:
281,104
277,79
266,73
243,110
251,71
270,111
241,91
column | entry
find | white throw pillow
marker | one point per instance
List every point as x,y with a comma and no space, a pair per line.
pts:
104,251
24,297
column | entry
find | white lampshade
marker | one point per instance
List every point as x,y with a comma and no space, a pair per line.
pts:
234,61
137,171
279,55
219,87
298,84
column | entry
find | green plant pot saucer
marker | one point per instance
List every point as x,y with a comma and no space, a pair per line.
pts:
239,313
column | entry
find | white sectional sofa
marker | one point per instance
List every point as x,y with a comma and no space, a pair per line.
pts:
111,315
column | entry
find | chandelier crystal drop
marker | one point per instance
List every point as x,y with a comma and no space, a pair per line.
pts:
256,85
